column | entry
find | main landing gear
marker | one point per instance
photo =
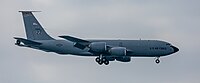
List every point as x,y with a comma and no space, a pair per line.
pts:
100,60
157,60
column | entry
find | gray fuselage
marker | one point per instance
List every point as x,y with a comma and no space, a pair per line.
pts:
103,50
140,48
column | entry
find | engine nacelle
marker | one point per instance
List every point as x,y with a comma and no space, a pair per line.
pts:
118,51
110,58
123,59
98,47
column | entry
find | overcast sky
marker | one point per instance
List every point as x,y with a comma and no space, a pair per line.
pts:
174,21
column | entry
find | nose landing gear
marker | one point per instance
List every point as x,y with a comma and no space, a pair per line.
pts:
157,60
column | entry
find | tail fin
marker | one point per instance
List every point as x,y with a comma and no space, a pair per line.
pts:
34,30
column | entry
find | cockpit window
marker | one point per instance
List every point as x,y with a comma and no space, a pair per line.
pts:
167,44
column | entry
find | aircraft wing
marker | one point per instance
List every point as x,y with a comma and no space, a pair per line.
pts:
79,43
74,39
27,42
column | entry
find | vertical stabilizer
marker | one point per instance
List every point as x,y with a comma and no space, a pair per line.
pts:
34,31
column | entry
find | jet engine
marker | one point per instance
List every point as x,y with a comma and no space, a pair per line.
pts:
110,58
118,51
98,47
123,59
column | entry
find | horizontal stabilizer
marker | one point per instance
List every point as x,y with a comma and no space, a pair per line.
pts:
27,42
30,11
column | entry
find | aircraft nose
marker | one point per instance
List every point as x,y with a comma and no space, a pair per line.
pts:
175,49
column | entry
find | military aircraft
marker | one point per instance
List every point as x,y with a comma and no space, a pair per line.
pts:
104,50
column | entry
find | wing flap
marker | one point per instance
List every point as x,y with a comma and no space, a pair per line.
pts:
78,45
